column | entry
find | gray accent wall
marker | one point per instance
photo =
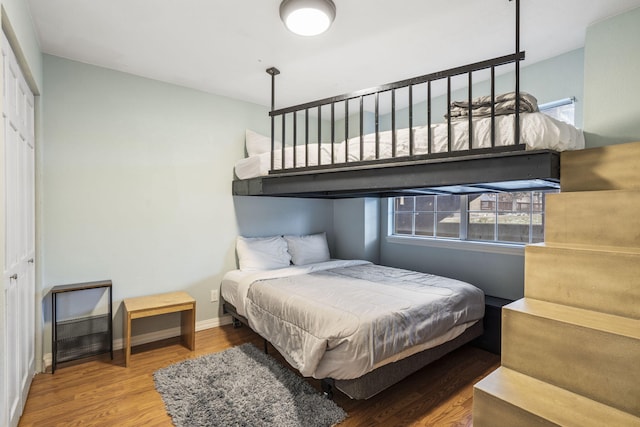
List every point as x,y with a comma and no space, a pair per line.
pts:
268,216
497,274
357,229
612,82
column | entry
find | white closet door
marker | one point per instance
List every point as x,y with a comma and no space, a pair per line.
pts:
19,266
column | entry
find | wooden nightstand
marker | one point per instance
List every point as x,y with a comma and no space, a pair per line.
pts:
490,340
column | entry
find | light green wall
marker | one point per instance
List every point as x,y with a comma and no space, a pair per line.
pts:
549,80
612,85
557,78
137,186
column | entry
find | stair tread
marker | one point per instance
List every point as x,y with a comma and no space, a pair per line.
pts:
550,402
608,323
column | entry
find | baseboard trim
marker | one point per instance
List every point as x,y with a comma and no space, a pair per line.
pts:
118,344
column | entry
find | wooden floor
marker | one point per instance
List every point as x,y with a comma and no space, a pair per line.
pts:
101,392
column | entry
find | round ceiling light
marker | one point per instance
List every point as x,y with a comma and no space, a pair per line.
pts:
307,17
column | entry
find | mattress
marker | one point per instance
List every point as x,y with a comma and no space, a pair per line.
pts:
537,131
343,319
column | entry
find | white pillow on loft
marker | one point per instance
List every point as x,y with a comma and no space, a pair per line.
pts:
257,144
308,249
262,253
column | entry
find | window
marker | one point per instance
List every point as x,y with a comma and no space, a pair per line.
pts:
509,217
563,109
429,216
515,218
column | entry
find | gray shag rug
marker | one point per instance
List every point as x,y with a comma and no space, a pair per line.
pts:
242,386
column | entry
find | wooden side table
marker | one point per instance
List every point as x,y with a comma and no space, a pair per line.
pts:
153,305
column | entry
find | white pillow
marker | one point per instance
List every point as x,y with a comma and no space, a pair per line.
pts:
262,253
308,249
257,144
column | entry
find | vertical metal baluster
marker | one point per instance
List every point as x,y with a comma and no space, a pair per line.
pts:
429,117
470,83
282,141
377,125
410,120
393,122
517,117
295,139
319,135
333,132
306,137
361,128
493,106
346,130
449,114
273,143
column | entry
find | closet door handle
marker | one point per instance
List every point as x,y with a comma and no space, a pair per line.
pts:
30,261
14,277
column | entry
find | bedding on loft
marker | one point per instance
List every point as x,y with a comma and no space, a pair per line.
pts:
537,131
497,139
346,319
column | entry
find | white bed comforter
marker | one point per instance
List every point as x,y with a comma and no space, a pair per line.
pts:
342,319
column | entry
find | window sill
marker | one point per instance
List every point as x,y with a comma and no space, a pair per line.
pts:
464,245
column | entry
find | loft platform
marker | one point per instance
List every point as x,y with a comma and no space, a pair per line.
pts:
492,170
391,140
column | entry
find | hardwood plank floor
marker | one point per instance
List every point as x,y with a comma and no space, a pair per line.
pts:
101,392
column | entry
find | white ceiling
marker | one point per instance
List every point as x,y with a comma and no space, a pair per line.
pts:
224,47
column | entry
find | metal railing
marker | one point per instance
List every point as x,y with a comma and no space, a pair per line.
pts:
315,108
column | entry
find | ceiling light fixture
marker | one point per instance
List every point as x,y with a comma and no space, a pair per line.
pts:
307,17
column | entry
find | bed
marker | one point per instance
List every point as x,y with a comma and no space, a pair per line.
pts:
325,148
537,132
359,326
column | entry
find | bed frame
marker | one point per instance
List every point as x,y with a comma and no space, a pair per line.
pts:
493,169
385,376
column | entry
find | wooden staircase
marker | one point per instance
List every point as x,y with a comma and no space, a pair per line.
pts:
571,346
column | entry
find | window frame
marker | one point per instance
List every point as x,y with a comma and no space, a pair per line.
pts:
553,105
463,243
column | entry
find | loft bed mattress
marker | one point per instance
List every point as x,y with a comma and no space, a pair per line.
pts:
537,131
342,319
